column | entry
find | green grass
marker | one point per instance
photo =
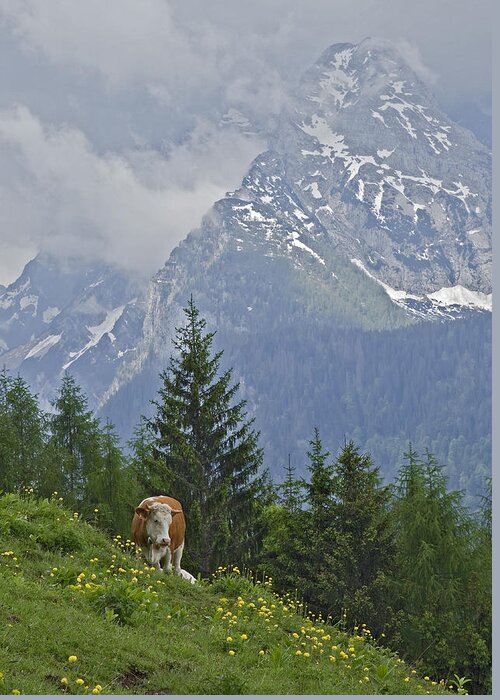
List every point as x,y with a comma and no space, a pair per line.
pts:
67,590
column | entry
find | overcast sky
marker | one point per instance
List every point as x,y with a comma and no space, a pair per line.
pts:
111,141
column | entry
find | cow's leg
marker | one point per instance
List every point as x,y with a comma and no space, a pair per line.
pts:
177,559
152,557
167,561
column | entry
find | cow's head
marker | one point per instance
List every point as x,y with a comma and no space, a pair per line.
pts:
158,517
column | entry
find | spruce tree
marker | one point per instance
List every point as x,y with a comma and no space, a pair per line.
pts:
22,435
292,490
357,542
7,438
150,476
75,440
109,485
441,577
205,451
319,490
319,524
284,544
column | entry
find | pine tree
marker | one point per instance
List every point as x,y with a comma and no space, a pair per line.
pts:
358,537
149,476
319,490
433,536
292,490
75,439
7,439
110,485
22,435
284,542
317,532
439,577
206,451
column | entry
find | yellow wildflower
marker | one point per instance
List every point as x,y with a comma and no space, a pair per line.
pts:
72,659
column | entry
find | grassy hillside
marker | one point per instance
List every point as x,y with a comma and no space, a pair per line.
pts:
81,614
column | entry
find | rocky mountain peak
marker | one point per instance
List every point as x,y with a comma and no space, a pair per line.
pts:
386,173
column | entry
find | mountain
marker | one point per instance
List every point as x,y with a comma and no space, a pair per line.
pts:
69,316
349,279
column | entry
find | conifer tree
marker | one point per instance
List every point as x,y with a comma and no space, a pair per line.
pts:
205,450
319,490
357,541
75,439
292,490
22,435
440,574
284,543
7,476
110,484
319,523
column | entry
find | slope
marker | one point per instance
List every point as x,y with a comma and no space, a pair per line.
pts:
82,614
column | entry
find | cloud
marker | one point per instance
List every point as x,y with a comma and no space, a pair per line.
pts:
124,41
58,194
130,45
197,54
142,86
412,55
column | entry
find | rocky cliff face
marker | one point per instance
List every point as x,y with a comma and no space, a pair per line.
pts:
392,180
71,317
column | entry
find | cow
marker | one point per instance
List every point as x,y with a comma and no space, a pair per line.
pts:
158,528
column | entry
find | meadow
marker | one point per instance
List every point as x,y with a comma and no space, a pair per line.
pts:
82,613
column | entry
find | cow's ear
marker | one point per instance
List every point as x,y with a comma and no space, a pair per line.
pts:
141,512
176,510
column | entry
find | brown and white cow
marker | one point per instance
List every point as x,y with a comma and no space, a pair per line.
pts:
159,527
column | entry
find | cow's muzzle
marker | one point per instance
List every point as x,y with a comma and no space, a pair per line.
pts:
162,543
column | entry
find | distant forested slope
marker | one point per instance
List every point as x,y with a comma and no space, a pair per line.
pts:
429,384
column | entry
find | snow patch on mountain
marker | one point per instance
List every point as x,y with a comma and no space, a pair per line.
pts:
297,243
41,348
395,294
50,313
96,333
29,300
460,296
445,297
